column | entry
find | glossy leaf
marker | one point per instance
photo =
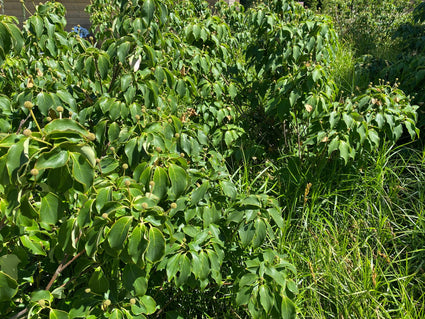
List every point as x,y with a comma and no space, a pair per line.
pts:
8,287
156,246
119,232
178,178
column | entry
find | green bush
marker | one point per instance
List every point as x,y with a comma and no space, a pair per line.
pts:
118,193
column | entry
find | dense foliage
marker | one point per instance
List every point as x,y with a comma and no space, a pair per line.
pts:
119,155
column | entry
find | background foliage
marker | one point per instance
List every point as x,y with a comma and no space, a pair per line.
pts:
156,168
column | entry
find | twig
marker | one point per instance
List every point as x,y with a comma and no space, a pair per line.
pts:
22,123
114,77
2,222
20,314
62,267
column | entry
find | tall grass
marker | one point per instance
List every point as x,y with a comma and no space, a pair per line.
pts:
358,237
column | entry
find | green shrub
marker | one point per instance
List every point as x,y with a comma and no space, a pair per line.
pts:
118,196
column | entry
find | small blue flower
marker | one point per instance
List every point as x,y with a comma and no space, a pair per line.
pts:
82,32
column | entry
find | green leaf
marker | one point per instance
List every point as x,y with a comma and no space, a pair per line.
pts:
34,246
243,295
184,269
41,295
181,88
67,98
246,234
82,171
134,280
44,102
333,145
199,193
16,157
276,216
50,209
380,120
344,151
156,246
90,68
9,265
229,189
122,51
334,119
287,308
373,137
179,180
292,286
148,10
84,215
61,125
137,243
266,299
248,279
260,233
316,75
116,314
233,91
119,232
149,303
65,236
103,64
160,178
58,314
53,159
200,265
98,282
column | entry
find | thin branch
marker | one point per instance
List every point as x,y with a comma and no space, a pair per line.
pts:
114,77
62,266
57,272
2,222
20,314
22,123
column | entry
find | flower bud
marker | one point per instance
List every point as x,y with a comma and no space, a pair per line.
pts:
28,105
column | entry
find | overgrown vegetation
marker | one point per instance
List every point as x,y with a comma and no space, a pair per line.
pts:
184,164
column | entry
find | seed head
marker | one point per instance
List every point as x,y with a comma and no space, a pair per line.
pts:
91,137
124,166
27,132
133,301
145,205
28,105
34,172
127,182
173,205
59,109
